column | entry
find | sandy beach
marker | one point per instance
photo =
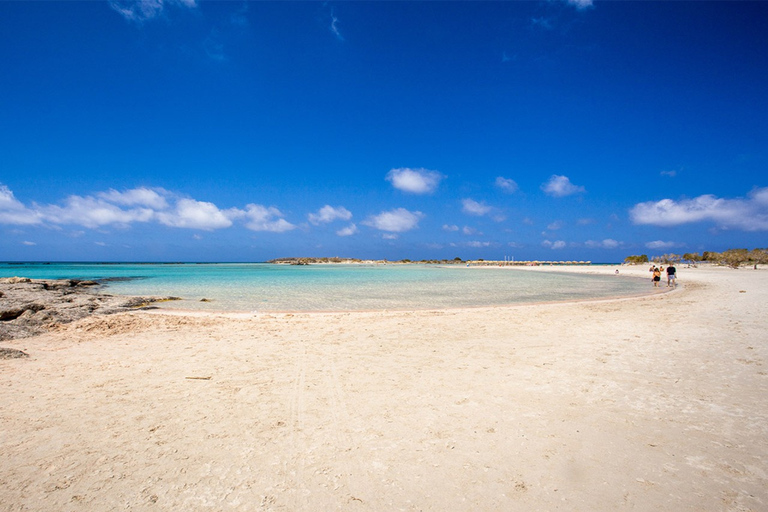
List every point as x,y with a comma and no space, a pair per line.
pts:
651,403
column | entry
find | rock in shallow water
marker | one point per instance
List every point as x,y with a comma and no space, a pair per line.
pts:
33,306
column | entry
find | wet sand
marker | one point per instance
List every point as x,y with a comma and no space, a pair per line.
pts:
650,403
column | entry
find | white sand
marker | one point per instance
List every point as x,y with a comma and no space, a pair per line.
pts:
654,403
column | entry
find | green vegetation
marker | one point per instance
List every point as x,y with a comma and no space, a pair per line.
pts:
635,259
733,258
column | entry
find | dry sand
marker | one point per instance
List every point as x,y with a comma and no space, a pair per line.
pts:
653,403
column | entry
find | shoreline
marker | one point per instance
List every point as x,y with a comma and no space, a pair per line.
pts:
655,403
213,301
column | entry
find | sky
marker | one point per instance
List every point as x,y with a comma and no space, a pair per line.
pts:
194,130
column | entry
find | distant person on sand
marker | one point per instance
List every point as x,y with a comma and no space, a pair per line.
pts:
671,278
656,276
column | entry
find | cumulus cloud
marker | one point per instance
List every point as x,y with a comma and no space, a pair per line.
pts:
143,205
507,185
608,243
746,214
450,227
12,211
473,207
560,186
262,218
142,10
660,244
414,181
347,231
197,215
328,214
555,225
93,212
142,196
478,244
395,221
557,244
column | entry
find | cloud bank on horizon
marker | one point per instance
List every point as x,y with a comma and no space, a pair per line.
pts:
252,130
120,209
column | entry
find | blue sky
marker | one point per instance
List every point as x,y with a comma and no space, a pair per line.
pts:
193,130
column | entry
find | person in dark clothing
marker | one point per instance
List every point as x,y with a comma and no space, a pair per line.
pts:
671,277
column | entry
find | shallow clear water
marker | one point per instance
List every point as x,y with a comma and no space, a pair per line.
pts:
266,287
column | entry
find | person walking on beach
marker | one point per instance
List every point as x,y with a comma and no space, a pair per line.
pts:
671,278
656,277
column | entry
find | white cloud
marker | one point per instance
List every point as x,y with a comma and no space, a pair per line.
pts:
261,218
414,181
335,26
389,236
396,221
451,227
660,244
555,225
580,4
146,205
472,207
328,214
92,212
347,231
12,211
476,243
143,10
608,243
560,186
747,214
558,244
141,196
197,215
26,242
467,230
506,184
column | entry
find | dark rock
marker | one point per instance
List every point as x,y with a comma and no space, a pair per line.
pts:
11,353
30,307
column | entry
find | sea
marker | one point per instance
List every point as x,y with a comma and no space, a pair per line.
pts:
265,287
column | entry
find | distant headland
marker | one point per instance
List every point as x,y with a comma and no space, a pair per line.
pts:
455,261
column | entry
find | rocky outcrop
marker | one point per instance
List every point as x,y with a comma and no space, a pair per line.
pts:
33,306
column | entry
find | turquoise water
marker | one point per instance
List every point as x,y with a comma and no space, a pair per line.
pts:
266,287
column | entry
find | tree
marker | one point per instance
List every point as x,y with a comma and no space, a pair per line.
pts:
669,258
734,257
636,259
692,257
758,256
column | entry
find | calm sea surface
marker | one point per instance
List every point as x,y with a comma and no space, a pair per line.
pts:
267,287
